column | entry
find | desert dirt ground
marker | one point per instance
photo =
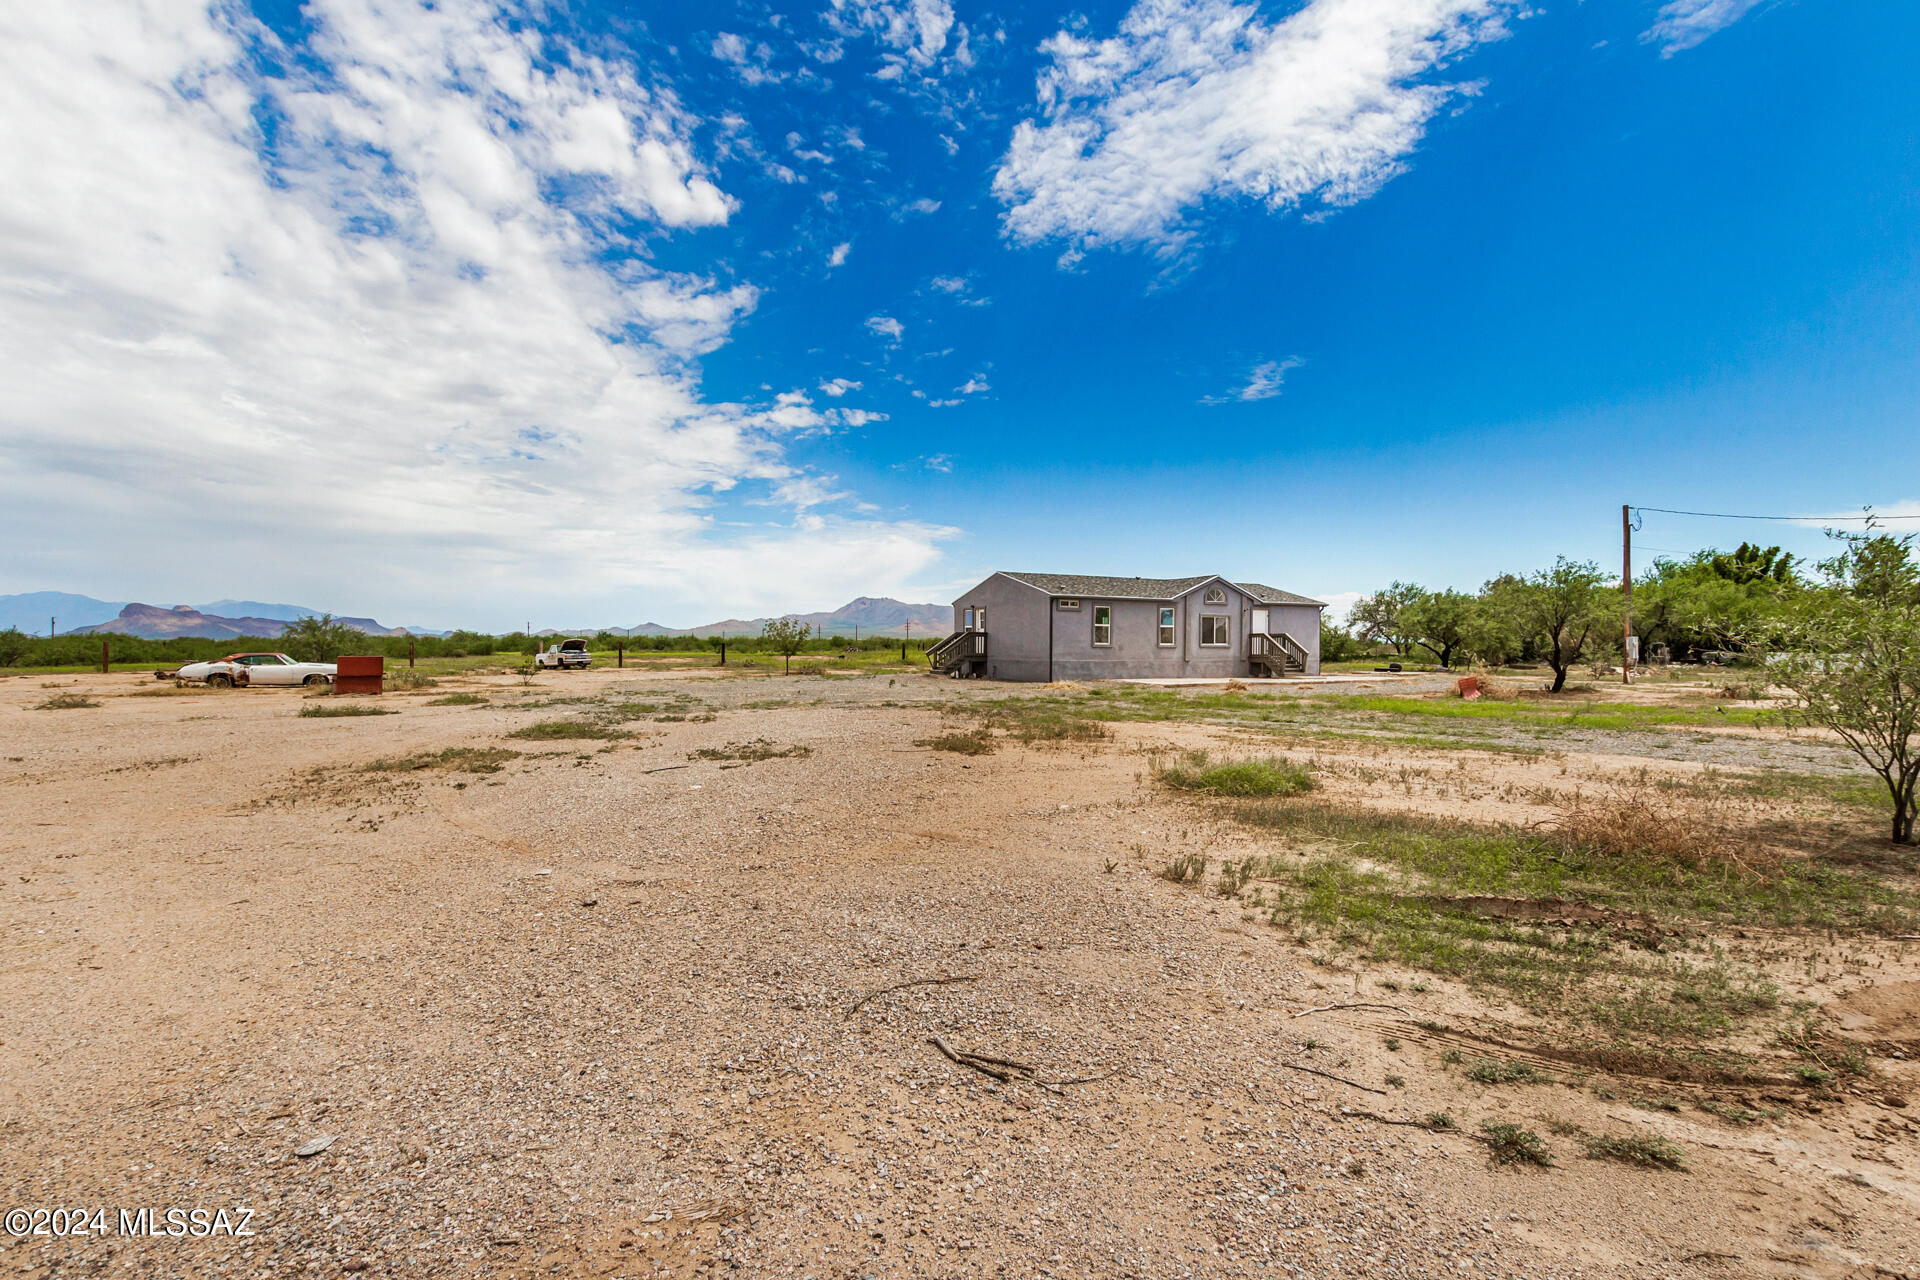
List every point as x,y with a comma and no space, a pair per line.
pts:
607,1006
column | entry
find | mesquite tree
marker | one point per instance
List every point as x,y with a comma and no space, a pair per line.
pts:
786,636
1853,659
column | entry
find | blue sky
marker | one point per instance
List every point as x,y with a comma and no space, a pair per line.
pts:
606,314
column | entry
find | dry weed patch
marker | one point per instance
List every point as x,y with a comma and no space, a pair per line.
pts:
977,742
66,702
1639,822
336,710
455,759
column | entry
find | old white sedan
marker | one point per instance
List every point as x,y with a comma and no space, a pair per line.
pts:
258,669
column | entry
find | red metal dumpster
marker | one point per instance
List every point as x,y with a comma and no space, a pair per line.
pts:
360,674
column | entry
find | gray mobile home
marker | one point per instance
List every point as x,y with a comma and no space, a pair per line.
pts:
1063,626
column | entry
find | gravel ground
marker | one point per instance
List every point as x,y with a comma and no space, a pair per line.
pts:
612,1010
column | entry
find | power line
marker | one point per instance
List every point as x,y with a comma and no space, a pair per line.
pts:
1721,515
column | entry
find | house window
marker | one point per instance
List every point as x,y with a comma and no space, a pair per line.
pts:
1166,628
1216,595
1213,630
1068,606
1102,624
968,624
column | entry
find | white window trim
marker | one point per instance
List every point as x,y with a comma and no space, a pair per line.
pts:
1097,642
1067,606
1169,629
1214,595
1226,620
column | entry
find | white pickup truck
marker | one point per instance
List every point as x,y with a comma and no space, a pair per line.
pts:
568,655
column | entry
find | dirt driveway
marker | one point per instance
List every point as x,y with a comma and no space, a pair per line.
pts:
609,1007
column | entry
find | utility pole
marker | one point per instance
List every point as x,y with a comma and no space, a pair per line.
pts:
1626,594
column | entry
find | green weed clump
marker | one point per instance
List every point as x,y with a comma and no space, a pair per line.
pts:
459,700
66,702
335,710
1494,1071
1510,1144
1188,868
1248,779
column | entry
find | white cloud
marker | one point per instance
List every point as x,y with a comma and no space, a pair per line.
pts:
1340,604
1263,383
1198,100
412,333
923,206
950,284
972,387
750,62
920,35
840,252
1682,24
838,387
886,327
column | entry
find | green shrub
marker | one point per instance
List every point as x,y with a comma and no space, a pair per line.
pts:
333,710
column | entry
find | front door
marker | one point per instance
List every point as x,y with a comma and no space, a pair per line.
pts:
1260,622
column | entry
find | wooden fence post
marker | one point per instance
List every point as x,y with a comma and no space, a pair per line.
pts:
409,652
620,647
103,655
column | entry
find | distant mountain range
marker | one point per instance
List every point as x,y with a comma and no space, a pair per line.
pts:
868,616
84,615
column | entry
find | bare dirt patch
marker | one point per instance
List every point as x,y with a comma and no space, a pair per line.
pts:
618,1006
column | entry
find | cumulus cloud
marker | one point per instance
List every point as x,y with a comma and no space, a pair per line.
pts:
886,327
382,298
1682,24
1263,383
840,252
1199,100
838,387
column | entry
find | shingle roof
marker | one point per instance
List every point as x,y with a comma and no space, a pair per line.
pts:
1081,584
1274,595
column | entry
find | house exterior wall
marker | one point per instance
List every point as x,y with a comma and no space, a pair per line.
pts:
1016,627
1136,651
1302,623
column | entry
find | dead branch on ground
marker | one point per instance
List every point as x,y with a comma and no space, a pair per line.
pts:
1328,1075
1323,1008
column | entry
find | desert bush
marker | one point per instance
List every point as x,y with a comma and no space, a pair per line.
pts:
410,678
334,710
459,700
66,702
1196,771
